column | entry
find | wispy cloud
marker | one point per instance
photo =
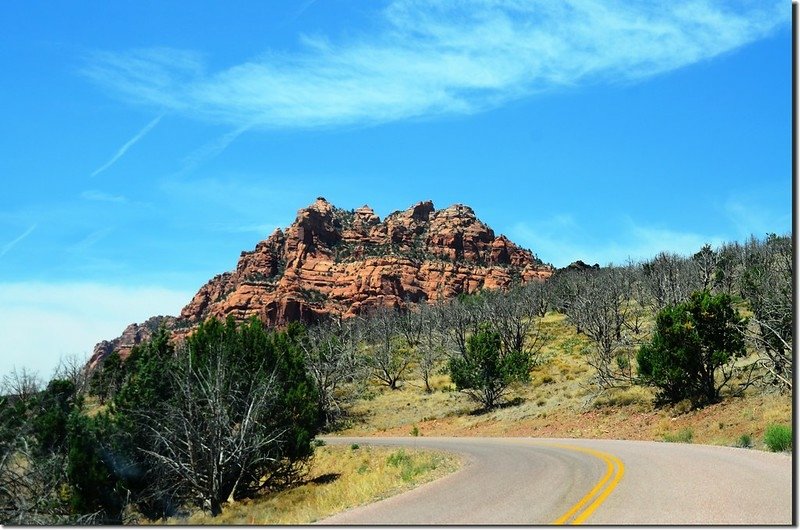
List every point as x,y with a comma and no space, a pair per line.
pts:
101,196
431,58
79,314
303,8
240,199
211,150
122,150
752,217
11,244
90,239
561,241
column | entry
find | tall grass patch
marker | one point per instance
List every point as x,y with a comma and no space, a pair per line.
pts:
341,477
778,438
410,468
685,435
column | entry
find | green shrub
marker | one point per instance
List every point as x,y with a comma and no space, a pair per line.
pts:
415,431
398,459
745,441
411,466
486,371
692,342
778,438
353,447
225,378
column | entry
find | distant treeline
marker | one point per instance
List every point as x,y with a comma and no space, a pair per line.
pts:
233,410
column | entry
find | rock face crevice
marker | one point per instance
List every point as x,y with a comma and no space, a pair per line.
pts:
337,262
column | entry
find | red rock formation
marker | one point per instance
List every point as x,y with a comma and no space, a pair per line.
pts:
332,261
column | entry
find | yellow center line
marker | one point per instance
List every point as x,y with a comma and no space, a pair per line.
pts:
599,492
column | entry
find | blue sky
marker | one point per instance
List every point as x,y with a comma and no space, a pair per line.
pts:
146,144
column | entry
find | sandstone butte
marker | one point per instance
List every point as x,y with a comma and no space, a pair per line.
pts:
334,262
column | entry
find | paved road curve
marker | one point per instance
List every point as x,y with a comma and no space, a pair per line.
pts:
544,481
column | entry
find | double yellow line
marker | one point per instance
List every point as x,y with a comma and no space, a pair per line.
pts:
589,503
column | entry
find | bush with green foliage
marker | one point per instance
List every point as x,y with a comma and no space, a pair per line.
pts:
778,438
745,441
230,412
50,423
96,489
107,378
146,388
692,350
33,441
486,372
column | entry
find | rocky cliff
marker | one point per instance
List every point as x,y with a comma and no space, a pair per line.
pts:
336,262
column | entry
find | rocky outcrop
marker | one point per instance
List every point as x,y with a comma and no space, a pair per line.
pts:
336,262
133,335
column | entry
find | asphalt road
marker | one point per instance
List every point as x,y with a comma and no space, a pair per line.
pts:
545,481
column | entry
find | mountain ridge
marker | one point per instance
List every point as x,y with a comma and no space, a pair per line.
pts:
335,262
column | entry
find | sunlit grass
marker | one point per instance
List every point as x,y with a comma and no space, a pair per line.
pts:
340,477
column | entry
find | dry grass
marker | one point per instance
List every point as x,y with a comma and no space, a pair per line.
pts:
562,401
93,407
340,477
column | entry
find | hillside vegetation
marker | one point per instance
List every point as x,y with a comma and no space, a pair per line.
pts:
681,349
563,400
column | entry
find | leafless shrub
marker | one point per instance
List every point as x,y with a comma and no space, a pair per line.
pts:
390,356
602,308
332,359
73,368
21,383
766,283
432,344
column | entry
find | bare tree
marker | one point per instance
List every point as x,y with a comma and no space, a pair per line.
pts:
390,357
706,264
432,346
671,279
767,284
513,315
332,358
21,383
458,319
537,293
419,329
32,476
731,258
409,326
217,438
640,305
601,309
30,485
73,368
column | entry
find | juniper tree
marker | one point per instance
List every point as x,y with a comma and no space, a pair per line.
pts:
487,371
692,351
